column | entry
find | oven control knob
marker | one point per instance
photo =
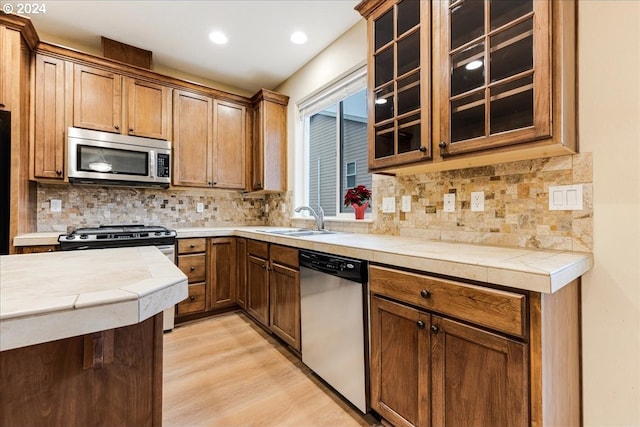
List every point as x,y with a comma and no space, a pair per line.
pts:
167,233
71,236
84,236
157,233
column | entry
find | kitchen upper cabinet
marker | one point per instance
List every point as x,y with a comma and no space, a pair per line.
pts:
269,154
257,287
399,79
149,109
502,75
284,295
192,139
50,113
230,145
222,272
97,99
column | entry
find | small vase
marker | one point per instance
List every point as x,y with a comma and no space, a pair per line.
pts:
359,210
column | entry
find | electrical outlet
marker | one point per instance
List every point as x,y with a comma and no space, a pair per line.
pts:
56,205
283,208
406,203
477,201
449,202
200,207
388,205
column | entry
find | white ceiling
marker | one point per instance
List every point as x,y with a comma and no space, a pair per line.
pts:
258,55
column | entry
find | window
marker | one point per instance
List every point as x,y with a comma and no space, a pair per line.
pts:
336,146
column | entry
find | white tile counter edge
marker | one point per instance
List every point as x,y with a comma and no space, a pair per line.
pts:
543,271
54,318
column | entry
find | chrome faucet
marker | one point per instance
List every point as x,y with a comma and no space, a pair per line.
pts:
319,216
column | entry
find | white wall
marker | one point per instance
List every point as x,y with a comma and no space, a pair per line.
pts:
609,115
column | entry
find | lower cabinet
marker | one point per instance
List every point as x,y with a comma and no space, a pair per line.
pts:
211,269
446,353
273,289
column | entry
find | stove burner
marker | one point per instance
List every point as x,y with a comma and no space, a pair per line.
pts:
116,236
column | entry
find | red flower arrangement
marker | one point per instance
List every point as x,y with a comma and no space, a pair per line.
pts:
357,196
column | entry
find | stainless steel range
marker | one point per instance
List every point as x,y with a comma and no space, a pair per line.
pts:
120,236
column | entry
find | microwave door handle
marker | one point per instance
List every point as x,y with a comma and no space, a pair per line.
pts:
152,164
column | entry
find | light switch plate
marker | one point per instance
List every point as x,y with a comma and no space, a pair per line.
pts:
388,204
477,201
565,198
200,207
406,203
56,205
449,202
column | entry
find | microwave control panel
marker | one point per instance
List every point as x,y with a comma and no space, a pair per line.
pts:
163,165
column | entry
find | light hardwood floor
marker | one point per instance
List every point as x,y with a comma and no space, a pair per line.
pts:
226,371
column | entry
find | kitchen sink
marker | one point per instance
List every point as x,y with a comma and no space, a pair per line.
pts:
301,232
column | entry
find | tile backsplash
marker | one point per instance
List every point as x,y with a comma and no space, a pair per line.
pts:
516,210
88,206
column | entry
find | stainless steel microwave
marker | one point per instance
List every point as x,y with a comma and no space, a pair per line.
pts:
111,159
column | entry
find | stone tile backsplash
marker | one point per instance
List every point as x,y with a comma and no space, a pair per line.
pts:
516,206
88,206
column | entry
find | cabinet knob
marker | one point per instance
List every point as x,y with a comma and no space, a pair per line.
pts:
208,182
422,149
264,266
1,105
215,182
58,172
193,268
130,129
117,127
420,324
259,184
442,145
192,246
192,298
425,293
435,329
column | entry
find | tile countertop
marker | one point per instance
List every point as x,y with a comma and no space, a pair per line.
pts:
54,295
543,271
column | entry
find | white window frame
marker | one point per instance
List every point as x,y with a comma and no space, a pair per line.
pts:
332,93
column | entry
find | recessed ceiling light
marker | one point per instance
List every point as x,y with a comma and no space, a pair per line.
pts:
298,37
474,65
218,37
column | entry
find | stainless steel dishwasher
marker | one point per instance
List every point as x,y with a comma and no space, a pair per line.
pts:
333,321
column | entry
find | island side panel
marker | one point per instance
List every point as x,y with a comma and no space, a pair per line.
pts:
46,384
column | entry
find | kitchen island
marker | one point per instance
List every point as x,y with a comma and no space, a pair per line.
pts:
81,336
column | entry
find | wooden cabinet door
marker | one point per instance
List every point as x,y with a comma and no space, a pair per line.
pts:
230,144
399,375
399,75
192,139
478,378
241,275
284,292
97,99
258,289
222,272
149,109
495,75
49,112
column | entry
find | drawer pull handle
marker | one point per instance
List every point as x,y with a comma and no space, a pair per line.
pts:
425,293
420,324
435,329
192,298
192,246
193,268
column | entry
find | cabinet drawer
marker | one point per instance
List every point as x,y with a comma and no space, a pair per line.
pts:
194,266
195,301
259,249
284,255
190,246
500,310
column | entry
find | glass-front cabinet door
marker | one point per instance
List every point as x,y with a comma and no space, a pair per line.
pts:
495,85
399,81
